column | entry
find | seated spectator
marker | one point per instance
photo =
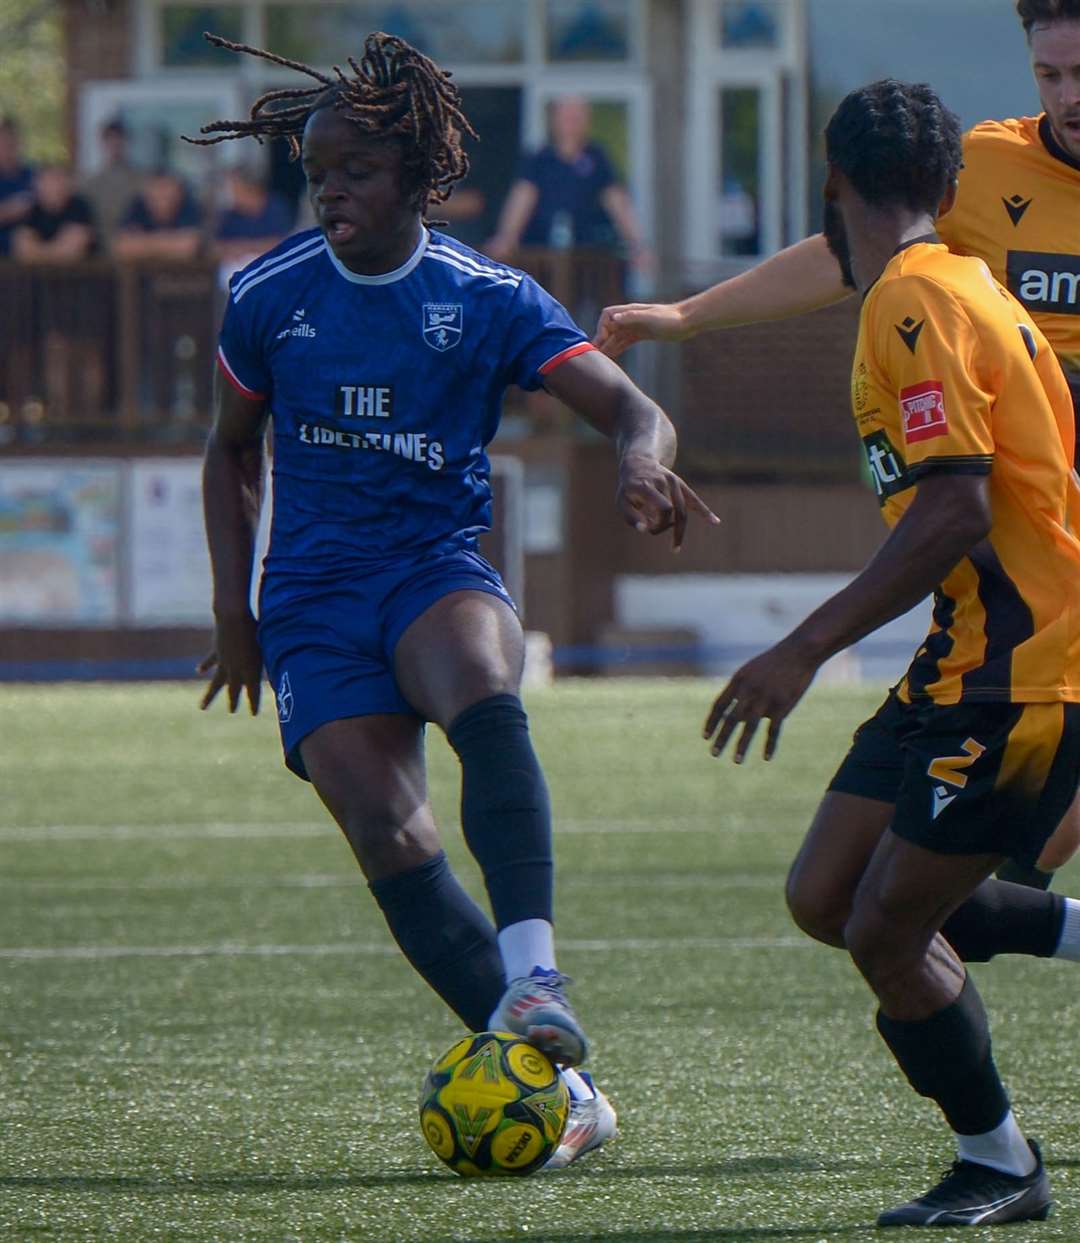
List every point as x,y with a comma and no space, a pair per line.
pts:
116,183
59,227
16,183
253,220
163,221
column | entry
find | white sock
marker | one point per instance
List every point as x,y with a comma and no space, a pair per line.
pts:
1069,945
527,944
579,1089
1004,1148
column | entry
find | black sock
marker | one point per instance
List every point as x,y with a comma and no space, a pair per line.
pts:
1003,918
446,937
1020,874
505,813
948,1058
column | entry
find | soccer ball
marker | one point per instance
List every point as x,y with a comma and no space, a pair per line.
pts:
493,1104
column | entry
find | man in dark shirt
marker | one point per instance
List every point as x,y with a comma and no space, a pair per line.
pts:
59,227
254,220
567,195
163,222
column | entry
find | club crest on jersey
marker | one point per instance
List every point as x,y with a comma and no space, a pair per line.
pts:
442,324
923,409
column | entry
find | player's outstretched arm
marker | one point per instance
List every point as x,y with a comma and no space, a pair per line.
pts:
801,278
948,517
651,496
232,498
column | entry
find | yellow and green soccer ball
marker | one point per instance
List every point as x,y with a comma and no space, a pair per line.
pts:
493,1105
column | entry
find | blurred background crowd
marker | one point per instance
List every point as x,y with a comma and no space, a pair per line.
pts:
628,148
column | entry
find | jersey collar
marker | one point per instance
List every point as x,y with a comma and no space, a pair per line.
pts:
383,278
924,239
1046,133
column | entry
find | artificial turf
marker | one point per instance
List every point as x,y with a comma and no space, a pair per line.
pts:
206,1034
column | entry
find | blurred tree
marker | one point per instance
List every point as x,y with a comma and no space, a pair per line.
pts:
32,75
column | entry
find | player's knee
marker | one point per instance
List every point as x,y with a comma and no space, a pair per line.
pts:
879,945
816,910
385,844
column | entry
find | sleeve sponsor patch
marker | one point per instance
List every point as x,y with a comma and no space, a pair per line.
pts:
922,407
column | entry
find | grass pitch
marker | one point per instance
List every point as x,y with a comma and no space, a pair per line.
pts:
207,1035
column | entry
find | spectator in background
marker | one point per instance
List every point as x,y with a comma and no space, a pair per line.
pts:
253,220
567,195
163,221
59,227
16,183
117,182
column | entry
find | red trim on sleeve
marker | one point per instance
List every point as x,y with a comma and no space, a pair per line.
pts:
582,347
234,379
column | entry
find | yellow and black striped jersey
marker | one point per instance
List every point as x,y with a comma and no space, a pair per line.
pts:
1018,207
952,374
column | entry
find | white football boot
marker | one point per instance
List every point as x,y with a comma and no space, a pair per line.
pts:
591,1124
534,1007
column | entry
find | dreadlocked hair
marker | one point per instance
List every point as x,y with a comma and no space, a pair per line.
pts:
896,143
394,92
1045,12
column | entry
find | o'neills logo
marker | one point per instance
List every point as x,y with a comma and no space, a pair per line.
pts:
1043,281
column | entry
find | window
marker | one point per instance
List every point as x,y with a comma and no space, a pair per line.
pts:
588,30
746,108
182,26
746,24
480,32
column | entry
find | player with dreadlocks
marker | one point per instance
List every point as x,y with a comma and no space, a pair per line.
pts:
381,350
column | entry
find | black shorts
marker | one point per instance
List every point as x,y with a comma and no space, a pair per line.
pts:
969,779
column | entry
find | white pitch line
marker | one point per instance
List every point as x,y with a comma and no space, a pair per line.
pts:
355,880
375,950
202,832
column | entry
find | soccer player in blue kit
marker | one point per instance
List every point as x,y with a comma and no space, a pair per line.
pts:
381,350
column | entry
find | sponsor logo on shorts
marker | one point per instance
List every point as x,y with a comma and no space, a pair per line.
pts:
284,699
947,773
442,324
922,407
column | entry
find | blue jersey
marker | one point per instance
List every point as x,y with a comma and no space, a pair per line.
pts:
384,392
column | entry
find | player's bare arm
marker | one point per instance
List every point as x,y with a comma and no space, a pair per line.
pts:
651,496
232,498
801,278
948,517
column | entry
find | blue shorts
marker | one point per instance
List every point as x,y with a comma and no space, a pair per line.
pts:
329,648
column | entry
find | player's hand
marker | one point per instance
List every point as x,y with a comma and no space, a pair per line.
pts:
654,499
235,663
621,326
764,689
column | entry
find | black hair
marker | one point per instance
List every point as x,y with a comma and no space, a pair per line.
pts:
1039,12
394,91
896,142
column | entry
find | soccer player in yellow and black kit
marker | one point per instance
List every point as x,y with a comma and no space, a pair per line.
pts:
966,423
1018,207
